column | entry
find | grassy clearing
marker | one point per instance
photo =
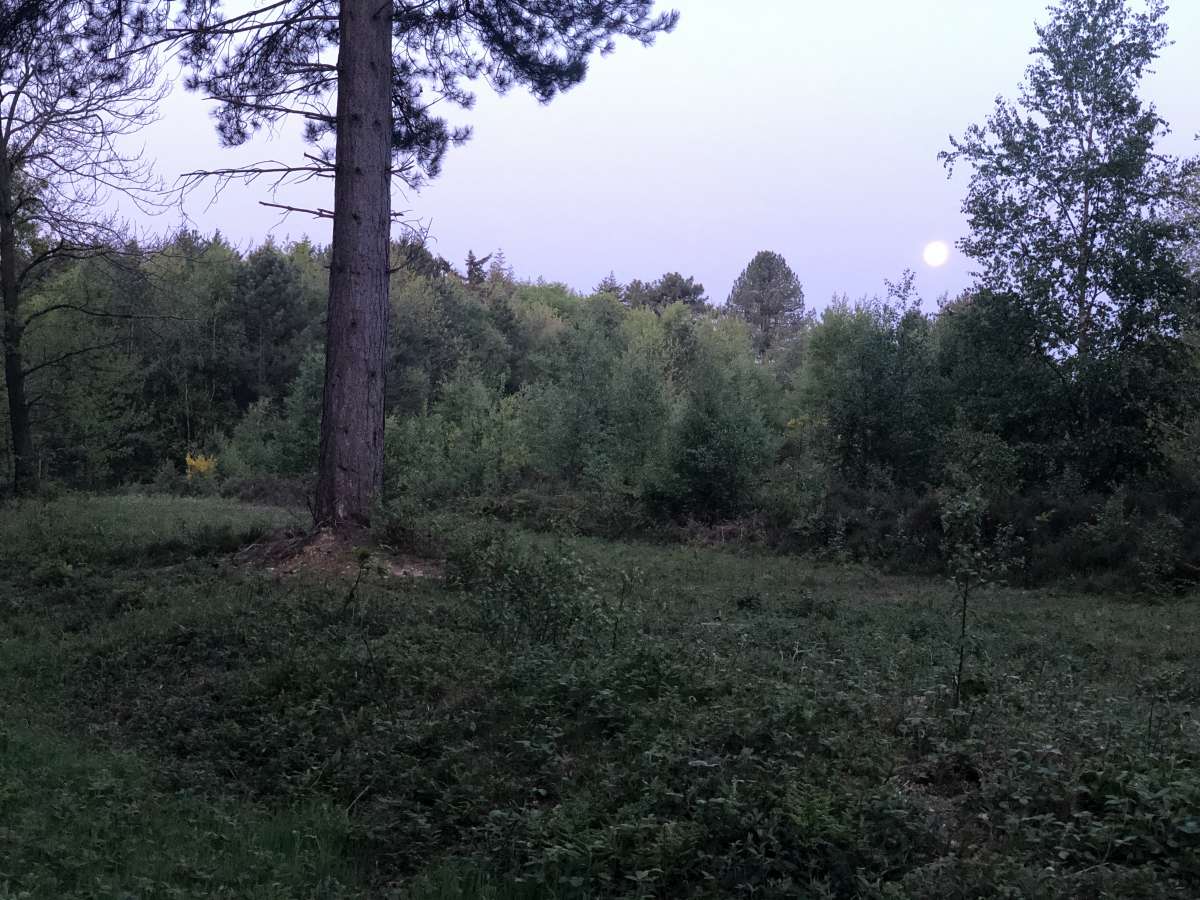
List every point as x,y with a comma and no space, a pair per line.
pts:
82,822
129,530
570,718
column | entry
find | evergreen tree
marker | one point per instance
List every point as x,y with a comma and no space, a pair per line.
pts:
769,296
411,255
609,285
476,271
270,305
675,288
638,294
499,269
392,62
658,295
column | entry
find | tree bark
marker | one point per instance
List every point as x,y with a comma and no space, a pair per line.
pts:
24,473
350,478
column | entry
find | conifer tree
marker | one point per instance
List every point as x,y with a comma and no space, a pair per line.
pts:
393,61
476,273
769,296
609,285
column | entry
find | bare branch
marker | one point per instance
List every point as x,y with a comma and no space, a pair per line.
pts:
59,360
102,314
315,213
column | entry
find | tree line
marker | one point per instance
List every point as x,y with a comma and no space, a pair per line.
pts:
1058,392
364,78
841,431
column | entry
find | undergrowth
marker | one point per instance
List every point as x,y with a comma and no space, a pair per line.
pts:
572,718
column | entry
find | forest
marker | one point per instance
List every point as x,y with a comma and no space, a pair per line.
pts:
637,410
348,570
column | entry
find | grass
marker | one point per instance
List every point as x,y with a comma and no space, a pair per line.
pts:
83,822
570,718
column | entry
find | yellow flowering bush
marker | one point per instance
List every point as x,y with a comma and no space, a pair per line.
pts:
200,464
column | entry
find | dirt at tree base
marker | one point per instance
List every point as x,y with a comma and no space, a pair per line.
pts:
293,551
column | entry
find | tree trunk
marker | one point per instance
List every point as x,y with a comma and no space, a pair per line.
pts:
351,457
24,474
1084,320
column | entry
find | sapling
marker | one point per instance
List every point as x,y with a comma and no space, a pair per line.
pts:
973,560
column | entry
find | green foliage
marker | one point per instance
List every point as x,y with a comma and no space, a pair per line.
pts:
867,392
535,404
1118,537
658,295
470,445
78,530
1096,271
997,383
279,439
81,822
542,595
273,310
718,439
752,724
973,560
768,296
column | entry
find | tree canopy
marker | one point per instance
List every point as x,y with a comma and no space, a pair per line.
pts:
1072,215
769,296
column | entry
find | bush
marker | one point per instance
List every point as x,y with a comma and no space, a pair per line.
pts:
520,592
469,445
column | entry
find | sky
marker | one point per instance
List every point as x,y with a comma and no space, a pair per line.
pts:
807,128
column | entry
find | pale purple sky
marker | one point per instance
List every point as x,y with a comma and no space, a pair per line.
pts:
811,129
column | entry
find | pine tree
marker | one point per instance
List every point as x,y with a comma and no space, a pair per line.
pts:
769,296
609,285
393,62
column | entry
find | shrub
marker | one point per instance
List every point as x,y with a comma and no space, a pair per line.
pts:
520,592
200,465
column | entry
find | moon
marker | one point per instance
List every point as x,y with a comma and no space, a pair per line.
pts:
937,254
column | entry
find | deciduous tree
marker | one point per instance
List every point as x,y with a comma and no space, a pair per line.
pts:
67,100
1070,211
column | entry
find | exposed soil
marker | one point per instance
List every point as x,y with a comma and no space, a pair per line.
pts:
293,551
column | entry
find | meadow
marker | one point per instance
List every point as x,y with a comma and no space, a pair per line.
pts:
559,716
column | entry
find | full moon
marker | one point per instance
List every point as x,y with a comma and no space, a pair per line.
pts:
937,253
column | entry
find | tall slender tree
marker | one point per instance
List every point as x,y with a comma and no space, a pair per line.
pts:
1072,218
1068,199
67,100
476,270
394,61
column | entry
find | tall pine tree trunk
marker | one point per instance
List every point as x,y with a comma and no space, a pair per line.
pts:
351,457
24,474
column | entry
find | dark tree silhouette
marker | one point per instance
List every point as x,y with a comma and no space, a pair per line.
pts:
609,285
476,273
394,62
1069,203
658,295
1074,219
768,295
675,288
67,99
